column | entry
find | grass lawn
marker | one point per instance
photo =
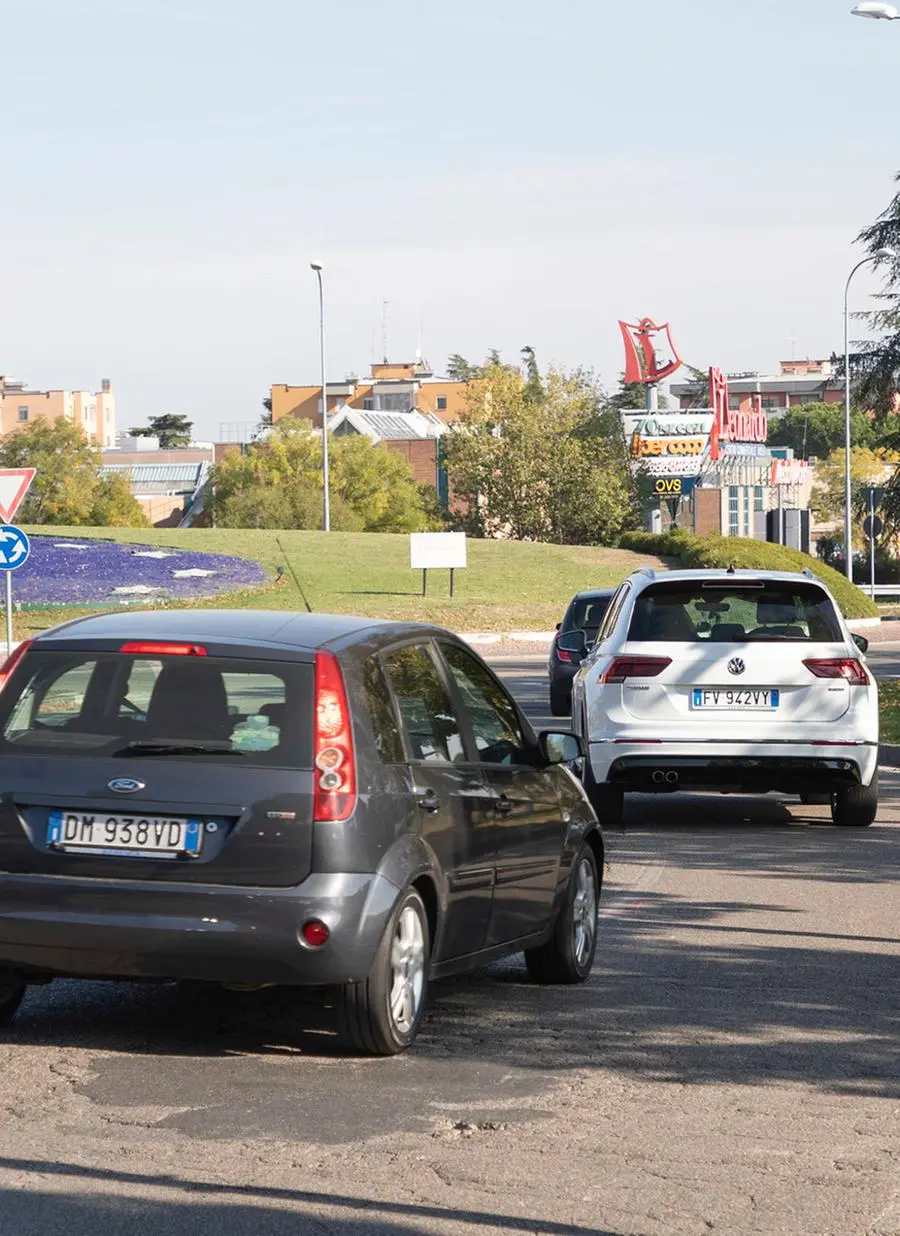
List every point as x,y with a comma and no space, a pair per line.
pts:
507,586
889,698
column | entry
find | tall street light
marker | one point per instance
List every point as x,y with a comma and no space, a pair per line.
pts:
879,256
873,8
326,496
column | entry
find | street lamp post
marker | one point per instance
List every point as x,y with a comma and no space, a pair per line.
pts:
876,10
879,255
326,496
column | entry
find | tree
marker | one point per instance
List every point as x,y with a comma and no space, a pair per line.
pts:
277,483
459,369
817,429
632,396
867,467
875,365
553,469
70,486
534,388
172,429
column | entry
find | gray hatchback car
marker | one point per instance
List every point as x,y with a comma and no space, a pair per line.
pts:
253,798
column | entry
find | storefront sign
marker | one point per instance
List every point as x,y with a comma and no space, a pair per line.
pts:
789,471
733,425
674,486
672,466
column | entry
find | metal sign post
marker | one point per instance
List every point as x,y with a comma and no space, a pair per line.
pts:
14,551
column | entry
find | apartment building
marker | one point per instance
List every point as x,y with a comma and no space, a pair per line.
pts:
94,412
391,387
797,382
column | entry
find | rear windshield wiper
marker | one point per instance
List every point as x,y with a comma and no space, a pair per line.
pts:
174,746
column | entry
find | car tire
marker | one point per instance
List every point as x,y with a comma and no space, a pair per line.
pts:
855,807
568,956
560,703
12,993
381,1015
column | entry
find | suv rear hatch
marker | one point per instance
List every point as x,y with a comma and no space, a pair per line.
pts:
741,653
158,762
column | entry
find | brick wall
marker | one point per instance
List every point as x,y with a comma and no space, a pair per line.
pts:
421,455
707,511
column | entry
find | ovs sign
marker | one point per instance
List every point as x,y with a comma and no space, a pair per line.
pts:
732,425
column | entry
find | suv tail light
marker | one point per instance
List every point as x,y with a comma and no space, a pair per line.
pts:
561,652
635,667
13,660
335,764
849,668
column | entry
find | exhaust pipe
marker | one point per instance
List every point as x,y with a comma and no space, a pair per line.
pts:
672,778
659,776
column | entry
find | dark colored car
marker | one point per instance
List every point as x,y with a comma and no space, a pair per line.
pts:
253,798
585,613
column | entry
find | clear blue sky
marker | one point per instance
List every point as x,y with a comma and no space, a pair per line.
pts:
502,172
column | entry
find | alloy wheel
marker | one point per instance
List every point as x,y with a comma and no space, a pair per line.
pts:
407,970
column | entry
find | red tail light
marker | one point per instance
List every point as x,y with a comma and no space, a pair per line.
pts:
335,765
635,667
13,660
562,654
151,648
848,668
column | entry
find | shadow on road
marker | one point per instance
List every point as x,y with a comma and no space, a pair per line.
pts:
685,991
199,1209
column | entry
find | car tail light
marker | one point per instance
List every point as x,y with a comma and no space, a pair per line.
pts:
13,660
315,932
335,765
155,648
635,667
848,668
562,654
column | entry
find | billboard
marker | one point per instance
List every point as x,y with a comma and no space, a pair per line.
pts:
735,432
669,443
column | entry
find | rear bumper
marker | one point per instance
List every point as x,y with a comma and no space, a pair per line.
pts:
59,926
755,768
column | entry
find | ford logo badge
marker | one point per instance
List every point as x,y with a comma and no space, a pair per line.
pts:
126,785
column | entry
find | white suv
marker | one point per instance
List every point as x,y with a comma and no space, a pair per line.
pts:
736,681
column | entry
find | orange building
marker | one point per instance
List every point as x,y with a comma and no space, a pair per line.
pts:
401,387
94,413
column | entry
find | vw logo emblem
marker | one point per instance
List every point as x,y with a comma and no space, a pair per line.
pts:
736,666
126,785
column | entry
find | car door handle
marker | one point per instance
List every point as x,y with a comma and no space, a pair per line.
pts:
503,805
429,801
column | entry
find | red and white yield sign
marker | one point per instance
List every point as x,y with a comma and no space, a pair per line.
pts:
14,485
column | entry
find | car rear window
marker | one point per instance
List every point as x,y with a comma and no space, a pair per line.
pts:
767,611
586,614
247,712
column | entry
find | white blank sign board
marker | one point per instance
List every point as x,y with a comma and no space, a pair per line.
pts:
437,550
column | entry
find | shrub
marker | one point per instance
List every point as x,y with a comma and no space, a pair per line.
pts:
745,553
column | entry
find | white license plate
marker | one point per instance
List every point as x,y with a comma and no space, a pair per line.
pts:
89,832
744,700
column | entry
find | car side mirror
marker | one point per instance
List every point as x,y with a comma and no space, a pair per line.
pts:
573,641
861,642
559,747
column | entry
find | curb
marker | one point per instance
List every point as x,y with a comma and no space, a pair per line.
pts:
486,638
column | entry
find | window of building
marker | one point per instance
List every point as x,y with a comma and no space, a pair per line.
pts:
758,498
23,414
368,405
734,510
745,531
442,403
807,397
734,402
394,403
772,403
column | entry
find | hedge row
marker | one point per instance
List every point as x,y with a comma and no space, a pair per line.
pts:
741,552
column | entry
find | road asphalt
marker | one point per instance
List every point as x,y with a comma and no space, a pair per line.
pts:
730,1068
